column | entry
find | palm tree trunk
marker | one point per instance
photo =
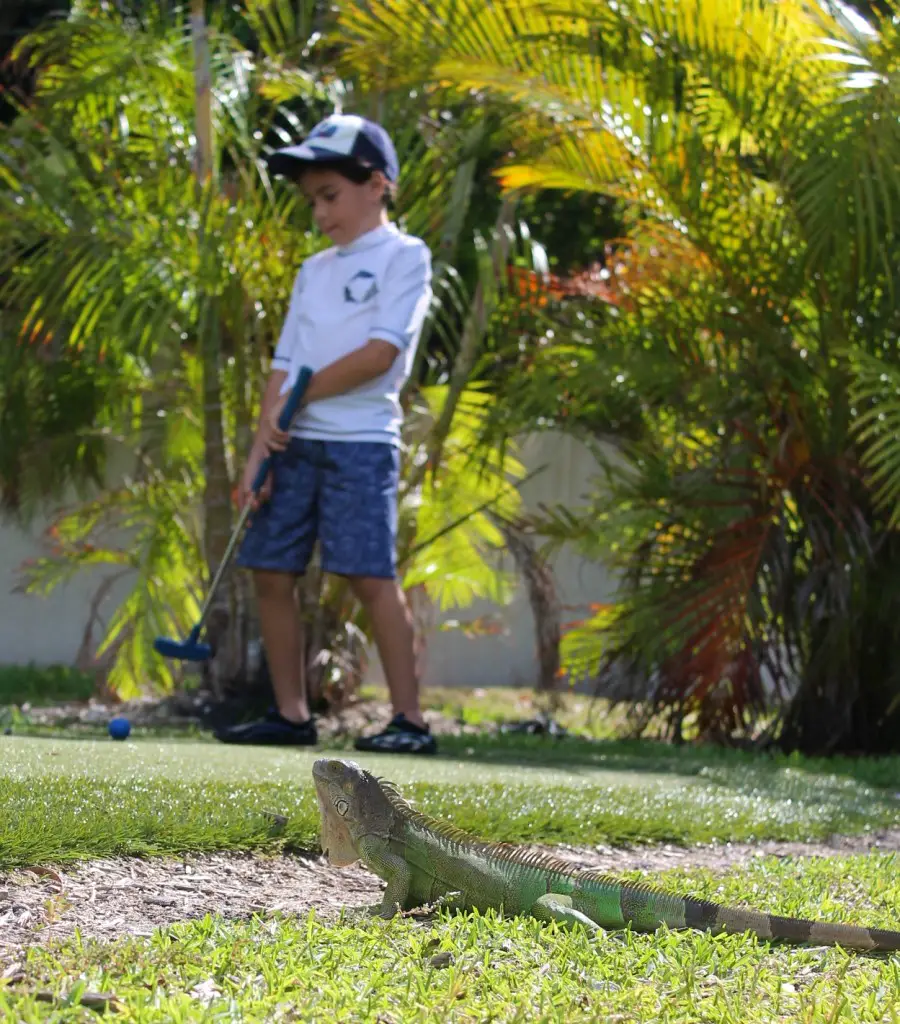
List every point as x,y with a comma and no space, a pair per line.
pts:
225,640
245,618
540,586
202,104
217,493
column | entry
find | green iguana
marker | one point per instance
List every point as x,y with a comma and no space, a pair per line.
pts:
423,861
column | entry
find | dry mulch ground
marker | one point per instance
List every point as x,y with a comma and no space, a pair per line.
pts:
111,898
108,899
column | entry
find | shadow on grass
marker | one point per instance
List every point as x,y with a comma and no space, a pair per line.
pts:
643,755
771,773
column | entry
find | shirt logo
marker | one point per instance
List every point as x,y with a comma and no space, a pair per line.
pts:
361,287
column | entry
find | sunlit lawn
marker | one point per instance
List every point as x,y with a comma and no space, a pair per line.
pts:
470,968
66,799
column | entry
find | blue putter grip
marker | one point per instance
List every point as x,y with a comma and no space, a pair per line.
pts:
284,421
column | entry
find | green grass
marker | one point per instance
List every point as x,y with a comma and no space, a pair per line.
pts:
467,968
62,800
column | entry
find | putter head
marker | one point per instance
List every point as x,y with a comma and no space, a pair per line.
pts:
189,650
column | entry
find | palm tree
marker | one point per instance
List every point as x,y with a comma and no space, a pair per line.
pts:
721,349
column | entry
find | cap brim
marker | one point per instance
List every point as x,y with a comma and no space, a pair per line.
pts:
290,159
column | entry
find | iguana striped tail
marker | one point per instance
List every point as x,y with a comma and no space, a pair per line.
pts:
647,908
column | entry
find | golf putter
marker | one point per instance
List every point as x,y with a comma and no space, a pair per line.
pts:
193,649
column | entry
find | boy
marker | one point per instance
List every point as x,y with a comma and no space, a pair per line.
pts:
355,318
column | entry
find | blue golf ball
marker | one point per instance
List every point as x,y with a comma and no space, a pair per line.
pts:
119,728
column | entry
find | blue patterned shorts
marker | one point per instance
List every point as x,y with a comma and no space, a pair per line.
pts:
341,493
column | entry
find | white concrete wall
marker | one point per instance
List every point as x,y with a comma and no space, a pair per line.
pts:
49,630
46,630
510,658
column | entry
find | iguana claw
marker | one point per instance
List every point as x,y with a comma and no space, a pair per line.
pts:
385,910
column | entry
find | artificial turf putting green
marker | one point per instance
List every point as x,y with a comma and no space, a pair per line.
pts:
70,799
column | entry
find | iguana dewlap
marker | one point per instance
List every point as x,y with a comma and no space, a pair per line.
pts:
422,860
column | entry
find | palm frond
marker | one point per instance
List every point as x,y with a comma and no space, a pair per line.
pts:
876,390
165,562
456,540
284,28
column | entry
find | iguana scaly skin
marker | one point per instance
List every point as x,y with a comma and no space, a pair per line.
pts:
423,861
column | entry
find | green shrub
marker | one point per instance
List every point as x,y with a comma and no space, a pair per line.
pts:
42,684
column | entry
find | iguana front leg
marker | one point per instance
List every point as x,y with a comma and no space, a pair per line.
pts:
393,869
555,907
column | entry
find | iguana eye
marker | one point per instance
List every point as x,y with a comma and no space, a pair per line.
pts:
341,806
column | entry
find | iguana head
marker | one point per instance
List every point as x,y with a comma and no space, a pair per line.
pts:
352,804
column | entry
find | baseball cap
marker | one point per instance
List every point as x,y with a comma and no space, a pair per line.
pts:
341,137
